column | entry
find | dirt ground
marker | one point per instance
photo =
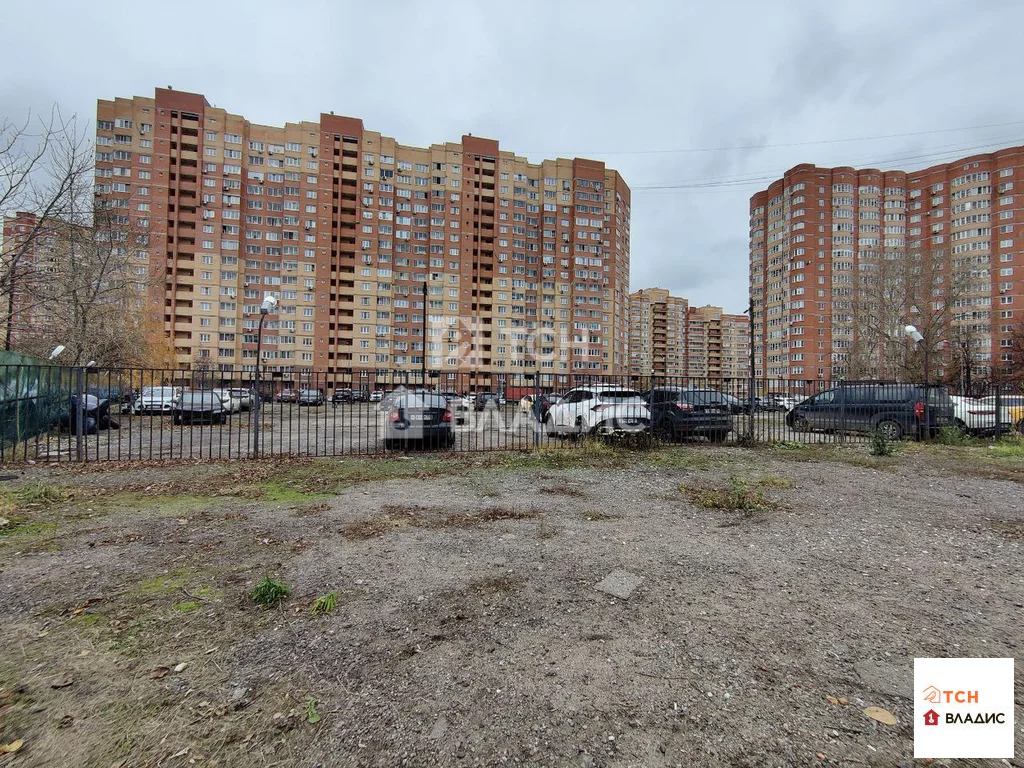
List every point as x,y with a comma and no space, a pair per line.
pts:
782,592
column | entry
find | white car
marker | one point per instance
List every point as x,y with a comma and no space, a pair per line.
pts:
232,404
245,398
1012,406
601,409
458,405
156,400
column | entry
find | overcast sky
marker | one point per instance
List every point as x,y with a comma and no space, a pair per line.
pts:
672,94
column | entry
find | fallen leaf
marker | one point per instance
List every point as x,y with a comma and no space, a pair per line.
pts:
843,700
64,682
831,699
883,716
10,749
821,755
159,672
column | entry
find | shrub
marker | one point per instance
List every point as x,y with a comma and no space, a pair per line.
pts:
880,445
325,604
269,592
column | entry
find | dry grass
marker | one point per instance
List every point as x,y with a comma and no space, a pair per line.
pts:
563,490
393,517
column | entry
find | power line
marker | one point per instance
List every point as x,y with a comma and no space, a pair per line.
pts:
741,182
742,147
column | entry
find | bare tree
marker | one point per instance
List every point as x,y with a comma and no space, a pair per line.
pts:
44,163
925,288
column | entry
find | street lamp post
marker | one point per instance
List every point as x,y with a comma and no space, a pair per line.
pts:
269,305
751,384
423,331
918,338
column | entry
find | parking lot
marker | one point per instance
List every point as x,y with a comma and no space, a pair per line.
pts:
328,430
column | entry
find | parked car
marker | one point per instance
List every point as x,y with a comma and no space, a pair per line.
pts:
538,407
677,413
341,396
288,395
376,396
360,396
232,403
156,400
598,409
1012,407
782,402
895,410
712,397
95,415
245,397
483,399
310,397
200,406
458,405
977,417
419,417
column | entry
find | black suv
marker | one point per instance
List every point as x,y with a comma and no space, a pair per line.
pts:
678,412
895,410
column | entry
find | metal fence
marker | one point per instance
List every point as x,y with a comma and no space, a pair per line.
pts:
61,414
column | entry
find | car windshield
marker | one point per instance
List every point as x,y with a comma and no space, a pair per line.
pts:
421,401
199,398
614,395
158,392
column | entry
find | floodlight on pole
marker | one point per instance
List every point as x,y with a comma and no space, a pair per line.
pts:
913,333
269,305
57,351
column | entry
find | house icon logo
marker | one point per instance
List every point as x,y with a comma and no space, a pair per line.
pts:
932,695
931,717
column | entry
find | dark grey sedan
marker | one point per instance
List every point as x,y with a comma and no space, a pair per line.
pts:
418,418
199,408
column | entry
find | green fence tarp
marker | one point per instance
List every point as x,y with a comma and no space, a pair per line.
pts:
33,397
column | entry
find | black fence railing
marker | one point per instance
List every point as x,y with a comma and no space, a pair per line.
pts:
84,414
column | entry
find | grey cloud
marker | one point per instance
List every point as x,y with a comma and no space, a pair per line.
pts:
568,78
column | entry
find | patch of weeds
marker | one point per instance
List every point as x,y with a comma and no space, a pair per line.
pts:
28,529
40,493
954,436
87,619
325,603
269,592
737,497
309,711
1010,530
1007,448
672,457
562,490
490,493
287,492
165,584
774,481
748,441
395,516
881,445
186,606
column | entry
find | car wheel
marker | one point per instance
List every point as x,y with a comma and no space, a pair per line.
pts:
891,430
663,431
178,420
550,426
800,424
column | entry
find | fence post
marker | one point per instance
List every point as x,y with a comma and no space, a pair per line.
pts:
79,412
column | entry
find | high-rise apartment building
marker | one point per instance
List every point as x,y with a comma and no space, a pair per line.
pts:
669,338
841,259
525,265
718,344
657,333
